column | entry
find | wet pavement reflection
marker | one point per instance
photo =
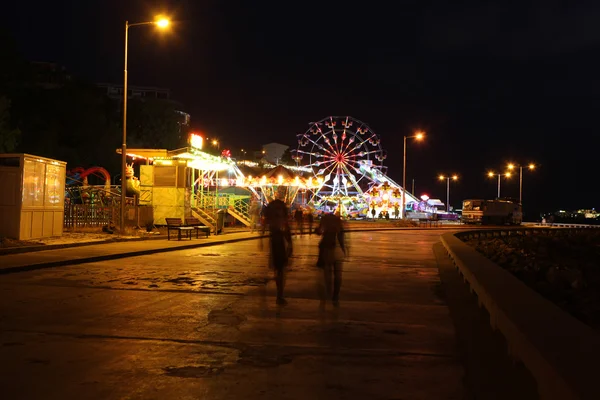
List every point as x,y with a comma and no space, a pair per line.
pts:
203,323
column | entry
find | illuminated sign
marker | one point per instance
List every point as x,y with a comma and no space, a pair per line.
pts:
196,141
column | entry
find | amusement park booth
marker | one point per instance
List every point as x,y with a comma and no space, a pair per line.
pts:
185,183
32,198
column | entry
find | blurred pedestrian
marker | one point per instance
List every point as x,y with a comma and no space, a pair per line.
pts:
276,217
254,215
310,220
332,250
298,217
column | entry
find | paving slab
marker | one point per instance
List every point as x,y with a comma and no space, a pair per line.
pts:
203,323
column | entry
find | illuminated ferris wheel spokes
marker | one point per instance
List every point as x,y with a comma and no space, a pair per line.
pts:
336,149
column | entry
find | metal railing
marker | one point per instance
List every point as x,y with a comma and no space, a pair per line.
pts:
242,207
527,231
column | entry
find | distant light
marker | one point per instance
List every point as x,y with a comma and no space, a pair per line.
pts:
196,141
491,174
507,174
531,166
442,177
455,177
419,135
424,197
511,166
215,142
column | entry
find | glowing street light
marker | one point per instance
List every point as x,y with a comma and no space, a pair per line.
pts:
491,174
512,166
448,178
162,23
419,135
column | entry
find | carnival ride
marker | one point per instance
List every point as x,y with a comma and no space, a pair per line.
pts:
79,191
280,182
346,156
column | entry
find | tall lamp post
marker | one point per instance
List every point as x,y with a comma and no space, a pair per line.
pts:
448,178
492,174
161,23
416,136
513,166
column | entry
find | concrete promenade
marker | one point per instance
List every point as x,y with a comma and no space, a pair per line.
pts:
201,323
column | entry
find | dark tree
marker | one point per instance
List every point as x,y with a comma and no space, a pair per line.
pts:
153,123
286,157
8,135
75,123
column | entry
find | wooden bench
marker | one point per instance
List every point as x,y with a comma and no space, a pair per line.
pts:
174,224
197,225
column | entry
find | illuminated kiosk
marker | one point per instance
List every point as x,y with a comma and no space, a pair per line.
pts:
185,183
386,201
32,199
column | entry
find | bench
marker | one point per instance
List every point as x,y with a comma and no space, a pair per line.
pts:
197,225
174,224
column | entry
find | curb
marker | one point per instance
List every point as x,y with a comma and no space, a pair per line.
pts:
116,256
43,247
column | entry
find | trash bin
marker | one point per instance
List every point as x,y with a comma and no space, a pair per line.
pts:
221,220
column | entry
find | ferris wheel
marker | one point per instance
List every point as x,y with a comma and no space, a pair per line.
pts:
345,156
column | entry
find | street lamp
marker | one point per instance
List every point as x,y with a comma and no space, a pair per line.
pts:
447,178
492,174
513,166
162,23
417,136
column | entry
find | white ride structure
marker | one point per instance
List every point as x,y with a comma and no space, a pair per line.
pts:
346,158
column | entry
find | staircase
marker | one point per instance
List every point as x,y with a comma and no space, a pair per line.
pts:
237,206
240,210
205,218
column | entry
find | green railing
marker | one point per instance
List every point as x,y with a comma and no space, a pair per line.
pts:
242,207
222,200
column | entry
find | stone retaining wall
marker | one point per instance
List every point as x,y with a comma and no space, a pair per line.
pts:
561,352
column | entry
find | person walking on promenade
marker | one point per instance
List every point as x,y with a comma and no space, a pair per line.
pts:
332,250
310,220
254,216
276,217
298,217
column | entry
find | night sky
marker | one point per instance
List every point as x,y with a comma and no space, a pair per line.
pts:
488,82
